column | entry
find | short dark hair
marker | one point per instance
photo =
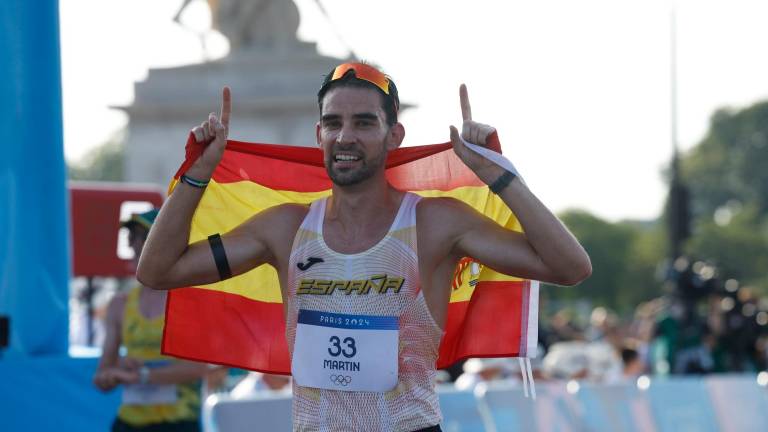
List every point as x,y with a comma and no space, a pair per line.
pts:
390,103
628,355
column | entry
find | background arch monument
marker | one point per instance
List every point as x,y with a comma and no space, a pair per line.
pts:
274,79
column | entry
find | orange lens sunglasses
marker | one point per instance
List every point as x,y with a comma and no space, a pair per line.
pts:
363,72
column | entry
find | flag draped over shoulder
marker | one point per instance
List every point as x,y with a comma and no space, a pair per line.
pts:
239,322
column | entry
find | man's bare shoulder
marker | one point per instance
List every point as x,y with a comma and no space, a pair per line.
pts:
280,221
443,218
442,209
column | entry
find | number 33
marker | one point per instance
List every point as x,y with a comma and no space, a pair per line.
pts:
348,351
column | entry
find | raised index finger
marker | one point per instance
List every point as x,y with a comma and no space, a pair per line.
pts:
466,109
226,106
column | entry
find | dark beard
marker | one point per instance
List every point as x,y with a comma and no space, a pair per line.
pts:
353,177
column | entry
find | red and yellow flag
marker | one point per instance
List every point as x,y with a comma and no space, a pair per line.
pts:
239,322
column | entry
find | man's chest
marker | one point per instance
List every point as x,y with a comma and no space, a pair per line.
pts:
316,272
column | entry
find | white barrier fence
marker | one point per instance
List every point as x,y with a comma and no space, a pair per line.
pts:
729,403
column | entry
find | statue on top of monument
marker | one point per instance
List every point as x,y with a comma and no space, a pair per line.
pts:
265,25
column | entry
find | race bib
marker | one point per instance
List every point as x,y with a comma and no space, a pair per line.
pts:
345,352
150,394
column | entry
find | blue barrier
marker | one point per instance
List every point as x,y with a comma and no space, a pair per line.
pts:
739,404
53,394
461,412
620,407
730,403
56,394
682,404
508,408
222,413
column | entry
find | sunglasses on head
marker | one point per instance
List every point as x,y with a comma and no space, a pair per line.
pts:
362,72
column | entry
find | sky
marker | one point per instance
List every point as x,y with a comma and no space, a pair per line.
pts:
578,90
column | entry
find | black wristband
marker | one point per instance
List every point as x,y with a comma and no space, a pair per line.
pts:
502,182
220,256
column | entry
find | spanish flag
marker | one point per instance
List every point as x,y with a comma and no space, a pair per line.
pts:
239,322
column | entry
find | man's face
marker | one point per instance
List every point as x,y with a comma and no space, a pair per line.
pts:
354,135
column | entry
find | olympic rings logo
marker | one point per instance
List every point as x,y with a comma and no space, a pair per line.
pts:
342,380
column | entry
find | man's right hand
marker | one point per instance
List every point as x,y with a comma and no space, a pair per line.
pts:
212,134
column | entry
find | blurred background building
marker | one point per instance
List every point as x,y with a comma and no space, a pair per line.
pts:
274,77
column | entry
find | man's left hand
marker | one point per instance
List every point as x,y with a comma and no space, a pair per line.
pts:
474,133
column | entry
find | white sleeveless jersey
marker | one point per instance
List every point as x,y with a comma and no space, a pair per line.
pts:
412,404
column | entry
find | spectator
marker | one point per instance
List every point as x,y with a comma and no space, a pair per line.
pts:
596,361
478,370
633,365
159,393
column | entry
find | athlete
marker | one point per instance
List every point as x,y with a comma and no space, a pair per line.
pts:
362,361
159,393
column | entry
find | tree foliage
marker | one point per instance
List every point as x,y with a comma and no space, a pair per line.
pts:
731,162
624,257
728,177
103,163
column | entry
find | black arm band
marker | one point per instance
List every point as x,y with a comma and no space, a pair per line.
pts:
502,182
220,256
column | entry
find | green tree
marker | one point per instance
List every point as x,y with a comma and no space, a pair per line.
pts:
737,245
103,163
624,257
640,279
730,162
727,173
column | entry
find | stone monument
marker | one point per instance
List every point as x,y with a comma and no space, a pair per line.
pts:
274,79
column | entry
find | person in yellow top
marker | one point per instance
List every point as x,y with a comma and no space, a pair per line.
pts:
159,393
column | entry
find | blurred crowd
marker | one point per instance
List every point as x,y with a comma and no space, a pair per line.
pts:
701,325
723,330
